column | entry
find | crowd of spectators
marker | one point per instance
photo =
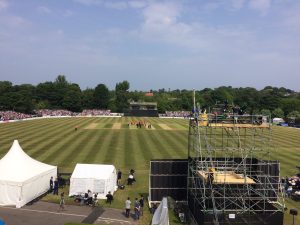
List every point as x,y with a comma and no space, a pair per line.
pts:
54,112
176,114
291,187
12,115
95,112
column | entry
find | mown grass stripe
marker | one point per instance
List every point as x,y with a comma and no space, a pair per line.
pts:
160,144
93,151
145,146
62,144
172,144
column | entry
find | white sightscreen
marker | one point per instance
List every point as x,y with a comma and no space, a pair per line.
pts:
161,215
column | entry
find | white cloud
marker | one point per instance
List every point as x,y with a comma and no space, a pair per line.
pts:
137,4
113,4
161,14
12,22
291,18
237,4
116,5
89,2
262,6
44,10
162,23
68,13
211,6
3,4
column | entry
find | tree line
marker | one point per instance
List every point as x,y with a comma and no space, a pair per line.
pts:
61,94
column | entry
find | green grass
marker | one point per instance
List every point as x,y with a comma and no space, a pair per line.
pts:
55,141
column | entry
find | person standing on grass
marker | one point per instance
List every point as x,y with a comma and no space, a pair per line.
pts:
127,207
55,190
137,208
141,204
119,177
62,201
51,185
109,198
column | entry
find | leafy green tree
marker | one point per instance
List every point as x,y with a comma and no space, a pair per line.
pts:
222,94
248,97
46,92
61,87
294,114
88,98
72,98
101,97
5,86
122,96
265,112
42,105
290,104
277,113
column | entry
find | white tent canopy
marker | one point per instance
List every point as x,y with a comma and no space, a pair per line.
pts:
278,120
98,178
22,178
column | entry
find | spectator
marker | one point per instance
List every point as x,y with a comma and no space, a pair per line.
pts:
119,177
141,204
109,198
62,201
183,114
55,190
130,179
137,208
127,207
51,185
90,198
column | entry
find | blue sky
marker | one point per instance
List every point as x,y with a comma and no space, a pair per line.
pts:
152,44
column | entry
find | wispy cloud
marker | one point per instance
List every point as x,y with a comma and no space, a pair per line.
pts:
89,2
262,6
291,18
13,22
3,4
238,4
44,10
68,13
162,22
137,4
116,4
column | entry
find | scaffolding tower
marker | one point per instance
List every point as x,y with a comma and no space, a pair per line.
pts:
231,177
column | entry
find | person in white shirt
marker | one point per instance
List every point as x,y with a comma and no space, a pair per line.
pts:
127,207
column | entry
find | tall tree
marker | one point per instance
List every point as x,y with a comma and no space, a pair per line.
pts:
61,86
101,97
278,113
122,96
72,98
88,98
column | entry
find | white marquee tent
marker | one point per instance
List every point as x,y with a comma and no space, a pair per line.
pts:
22,178
98,178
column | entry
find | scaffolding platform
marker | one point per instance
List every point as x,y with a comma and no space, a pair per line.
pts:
238,125
225,177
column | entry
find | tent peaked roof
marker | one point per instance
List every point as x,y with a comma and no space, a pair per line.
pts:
17,166
98,171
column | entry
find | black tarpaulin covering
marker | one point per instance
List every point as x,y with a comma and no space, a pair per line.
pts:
168,178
